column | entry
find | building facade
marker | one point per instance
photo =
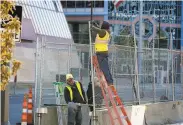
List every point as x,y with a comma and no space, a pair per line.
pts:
127,16
164,16
78,13
40,20
160,21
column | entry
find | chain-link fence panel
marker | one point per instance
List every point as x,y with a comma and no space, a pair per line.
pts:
160,77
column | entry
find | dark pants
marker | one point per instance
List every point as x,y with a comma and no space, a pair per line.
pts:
74,116
90,122
104,66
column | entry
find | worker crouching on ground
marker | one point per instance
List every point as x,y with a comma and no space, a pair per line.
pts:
98,95
74,95
101,49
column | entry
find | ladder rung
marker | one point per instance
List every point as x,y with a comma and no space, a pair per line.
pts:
120,106
123,117
110,96
114,96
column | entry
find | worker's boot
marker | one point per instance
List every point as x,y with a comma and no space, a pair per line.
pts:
112,87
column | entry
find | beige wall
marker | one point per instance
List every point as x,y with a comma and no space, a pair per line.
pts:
56,60
24,52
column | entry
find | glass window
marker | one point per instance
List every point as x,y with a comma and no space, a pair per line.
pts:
88,4
64,4
70,4
99,3
70,27
178,8
80,4
83,33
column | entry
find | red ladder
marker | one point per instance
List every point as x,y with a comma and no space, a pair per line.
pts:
113,96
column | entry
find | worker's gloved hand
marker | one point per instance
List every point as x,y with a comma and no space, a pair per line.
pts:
72,105
95,23
90,113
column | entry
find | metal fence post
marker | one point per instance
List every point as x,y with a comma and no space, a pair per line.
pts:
153,67
36,77
136,70
173,86
80,65
92,74
70,57
168,79
41,74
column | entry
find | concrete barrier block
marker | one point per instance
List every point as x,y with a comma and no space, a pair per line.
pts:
164,113
149,114
104,119
175,124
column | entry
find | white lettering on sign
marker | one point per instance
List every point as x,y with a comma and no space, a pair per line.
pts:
16,36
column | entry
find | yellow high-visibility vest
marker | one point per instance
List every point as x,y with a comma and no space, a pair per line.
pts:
101,44
79,89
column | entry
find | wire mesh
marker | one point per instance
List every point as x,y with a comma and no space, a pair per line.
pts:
160,78
65,58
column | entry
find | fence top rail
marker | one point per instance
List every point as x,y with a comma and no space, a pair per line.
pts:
113,46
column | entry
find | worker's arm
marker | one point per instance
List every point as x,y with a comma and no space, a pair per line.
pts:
67,95
99,31
83,92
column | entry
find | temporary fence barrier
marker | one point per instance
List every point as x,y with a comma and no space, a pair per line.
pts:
160,79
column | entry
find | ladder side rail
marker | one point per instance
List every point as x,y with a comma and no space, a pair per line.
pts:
114,105
103,92
121,106
107,105
104,82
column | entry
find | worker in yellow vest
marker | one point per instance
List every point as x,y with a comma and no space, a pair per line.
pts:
74,95
101,49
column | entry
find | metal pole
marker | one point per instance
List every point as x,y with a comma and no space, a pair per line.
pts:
69,61
40,81
36,78
159,37
136,70
42,71
91,19
168,80
154,85
140,45
159,45
91,11
173,91
92,75
80,66
91,62
175,76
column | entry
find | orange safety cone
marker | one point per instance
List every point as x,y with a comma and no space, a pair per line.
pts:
30,106
24,111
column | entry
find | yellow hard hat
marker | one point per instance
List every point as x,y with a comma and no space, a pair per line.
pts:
69,76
